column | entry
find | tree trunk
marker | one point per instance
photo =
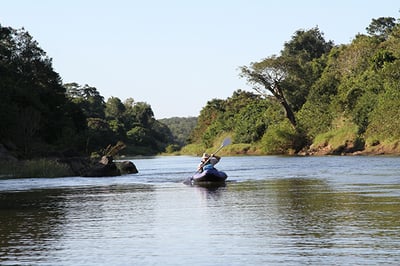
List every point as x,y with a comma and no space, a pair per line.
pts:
289,114
277,92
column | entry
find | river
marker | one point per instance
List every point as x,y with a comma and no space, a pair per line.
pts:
273,210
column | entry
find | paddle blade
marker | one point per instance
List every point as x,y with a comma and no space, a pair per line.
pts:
226,141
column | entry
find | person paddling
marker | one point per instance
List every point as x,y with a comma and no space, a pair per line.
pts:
208,162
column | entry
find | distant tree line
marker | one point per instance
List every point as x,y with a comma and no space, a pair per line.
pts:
41,116
181,128
315,96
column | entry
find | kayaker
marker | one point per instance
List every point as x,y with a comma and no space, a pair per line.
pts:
208,162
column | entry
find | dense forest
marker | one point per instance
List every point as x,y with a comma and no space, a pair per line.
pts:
41,116
315,97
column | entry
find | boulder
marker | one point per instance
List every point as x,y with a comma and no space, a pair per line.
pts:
105,167
127,167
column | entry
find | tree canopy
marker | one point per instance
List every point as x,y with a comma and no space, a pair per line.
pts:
317,96
314,96
41,116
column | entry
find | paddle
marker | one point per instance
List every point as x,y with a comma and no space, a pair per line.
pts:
226,142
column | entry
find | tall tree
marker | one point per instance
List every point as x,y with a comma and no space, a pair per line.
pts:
267,77
305,60
29,85
290,76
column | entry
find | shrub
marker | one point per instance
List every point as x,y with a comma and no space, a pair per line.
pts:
280,139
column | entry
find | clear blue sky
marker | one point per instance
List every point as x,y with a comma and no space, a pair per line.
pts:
177,54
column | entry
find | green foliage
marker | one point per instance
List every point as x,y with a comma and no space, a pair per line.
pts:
244,115
208,115
138,135
381,58
343,132
241,148
172,148
317,84
114,108
305,52
252,121
195,149
299,97
181,128
30,91
307,45
112,121
316,114
385,118
381,27
279,139
87,98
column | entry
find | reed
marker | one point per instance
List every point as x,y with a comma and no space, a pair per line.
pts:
34,168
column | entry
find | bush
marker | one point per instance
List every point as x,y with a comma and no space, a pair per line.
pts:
280,139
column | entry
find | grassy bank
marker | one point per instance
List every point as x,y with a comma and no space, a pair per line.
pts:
34,168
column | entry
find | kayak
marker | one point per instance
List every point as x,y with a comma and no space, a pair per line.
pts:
207,176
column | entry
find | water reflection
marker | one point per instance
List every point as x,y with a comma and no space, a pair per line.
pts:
267,216
39,225
210,191
313,218
30,223
306,206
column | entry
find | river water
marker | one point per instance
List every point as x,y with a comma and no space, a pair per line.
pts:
272,211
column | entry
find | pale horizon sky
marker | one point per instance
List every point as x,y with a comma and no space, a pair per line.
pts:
176,55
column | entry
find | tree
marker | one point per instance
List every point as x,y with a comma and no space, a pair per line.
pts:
305,59
250,123
114,108
290,76
381,27
143,114
307,45
88,98
99,136
208,116
29,84
267,77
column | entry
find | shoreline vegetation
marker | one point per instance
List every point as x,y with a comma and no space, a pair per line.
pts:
314,98
348,148
51,167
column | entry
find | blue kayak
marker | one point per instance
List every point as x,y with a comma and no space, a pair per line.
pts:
207,176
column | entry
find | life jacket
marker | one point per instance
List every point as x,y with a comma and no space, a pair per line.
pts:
208,167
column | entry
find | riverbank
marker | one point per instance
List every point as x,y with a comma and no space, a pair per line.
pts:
348,149
10,167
